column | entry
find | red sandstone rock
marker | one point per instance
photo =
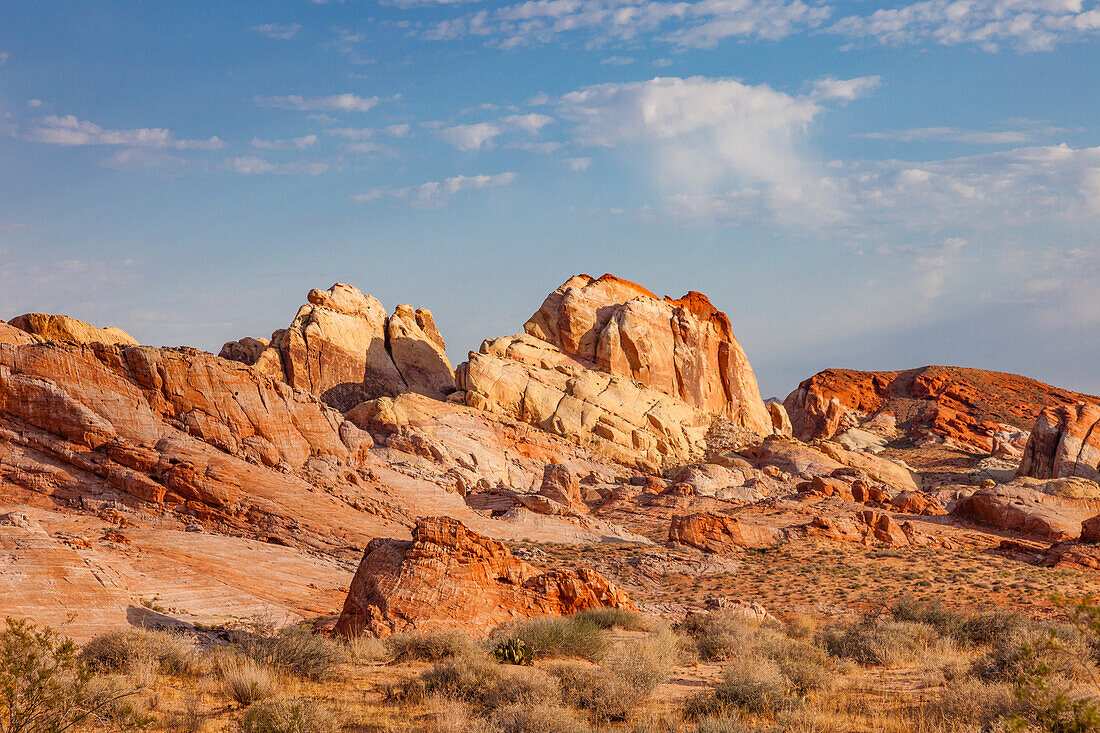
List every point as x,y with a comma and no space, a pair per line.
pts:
915,502
449,577
969,407
559,484
721,534
1090,530
1064,441
47,327
1022,506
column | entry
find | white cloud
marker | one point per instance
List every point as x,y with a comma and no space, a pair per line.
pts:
470,137
4,56
432,192
34,103
251,165
845,90
617,61
333,103
578,164
276,31
482,134
1026,25
68,130
399,130
298,143
352,133
960,135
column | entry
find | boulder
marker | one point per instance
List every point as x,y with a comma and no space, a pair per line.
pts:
449,577
68,330
867,527
781,421
1090,530
721,534
14,336
681,347
916,502
1023,506
560,485
1064,442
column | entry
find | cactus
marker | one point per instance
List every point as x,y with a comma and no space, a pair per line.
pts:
514,651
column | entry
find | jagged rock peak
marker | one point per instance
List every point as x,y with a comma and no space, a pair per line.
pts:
342,347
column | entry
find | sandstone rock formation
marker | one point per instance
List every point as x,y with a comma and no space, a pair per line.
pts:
47,327
342,347
449,577
971,408
721,534
1064,441
526,379
867,527
683,347
13,336
1023,506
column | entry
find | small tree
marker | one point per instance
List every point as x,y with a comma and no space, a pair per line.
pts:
43,685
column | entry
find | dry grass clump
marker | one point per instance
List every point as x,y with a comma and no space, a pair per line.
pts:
968,703
1058,649
971,629
191,719
879,642
537,717
135,650
296,650
288,715
596,690
555,637
613,618
430,647
244,679
756,685
365,649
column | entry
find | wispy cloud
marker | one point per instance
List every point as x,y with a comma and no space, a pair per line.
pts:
333,103
252,165
844,90
432,193
298,143
1025,25
578,164
482,134
69,130
277,31
617,61
4,56
961,135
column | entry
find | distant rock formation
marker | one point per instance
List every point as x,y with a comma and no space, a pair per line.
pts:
1064,441
1048,510
47,327
449,577
721,534
973,409
682,347
343,348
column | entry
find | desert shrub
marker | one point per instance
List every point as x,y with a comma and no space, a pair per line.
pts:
364,649
613,618
288,715
296,650
536,717
644,664
596,690
806,667
755,685
131,650
722,724
451,716
971,629
1054,649
470,678
555,637
244,679
879,642
111,702
431,647
968,702
45,685
191,719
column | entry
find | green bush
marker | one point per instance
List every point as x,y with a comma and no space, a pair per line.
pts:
288,715
555,637
44,684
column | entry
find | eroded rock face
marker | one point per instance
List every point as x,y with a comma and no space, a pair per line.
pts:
721,534
684,348
13,336
1023,506
1064,441
47,327
342,347
969,408
449,577
524,378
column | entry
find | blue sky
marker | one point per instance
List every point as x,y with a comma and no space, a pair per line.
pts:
857,184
